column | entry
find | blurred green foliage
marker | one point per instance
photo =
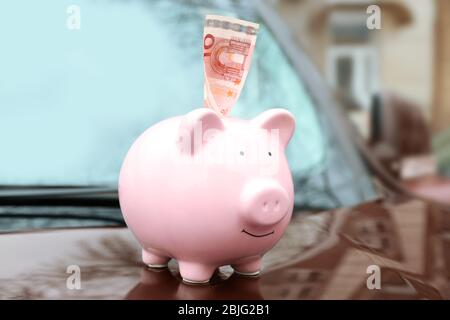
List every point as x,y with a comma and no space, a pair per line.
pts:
441,146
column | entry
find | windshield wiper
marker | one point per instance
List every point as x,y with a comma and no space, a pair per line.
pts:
59,196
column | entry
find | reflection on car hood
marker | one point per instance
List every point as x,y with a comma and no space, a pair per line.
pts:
321,256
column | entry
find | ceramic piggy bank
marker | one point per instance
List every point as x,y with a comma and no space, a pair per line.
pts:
209,191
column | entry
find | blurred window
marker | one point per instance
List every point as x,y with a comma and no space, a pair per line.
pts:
348,27
344,66
352,59
352,71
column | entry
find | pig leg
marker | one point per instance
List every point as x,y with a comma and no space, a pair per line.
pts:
248,267
195,273
154,260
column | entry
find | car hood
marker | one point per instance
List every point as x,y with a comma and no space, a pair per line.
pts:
330,255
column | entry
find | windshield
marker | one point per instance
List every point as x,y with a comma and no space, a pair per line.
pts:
72,101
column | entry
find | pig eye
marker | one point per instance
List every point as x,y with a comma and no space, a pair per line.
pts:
270,153
241,153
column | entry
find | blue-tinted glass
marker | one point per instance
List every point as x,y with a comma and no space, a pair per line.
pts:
73,101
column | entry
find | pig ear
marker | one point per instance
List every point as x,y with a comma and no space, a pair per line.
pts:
280,119
193,127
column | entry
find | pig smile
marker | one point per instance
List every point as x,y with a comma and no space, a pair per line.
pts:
258,235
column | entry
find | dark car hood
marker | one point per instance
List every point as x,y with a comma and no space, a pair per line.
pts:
321,256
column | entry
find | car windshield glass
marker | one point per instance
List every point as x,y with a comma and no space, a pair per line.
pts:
72,100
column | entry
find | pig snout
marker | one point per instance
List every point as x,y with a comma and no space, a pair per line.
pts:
264,203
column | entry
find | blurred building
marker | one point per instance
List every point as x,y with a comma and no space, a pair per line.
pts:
441,110
409,55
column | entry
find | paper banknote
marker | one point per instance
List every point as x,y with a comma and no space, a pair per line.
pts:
228,46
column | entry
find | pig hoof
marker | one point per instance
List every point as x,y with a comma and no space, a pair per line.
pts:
154,261
195,281
248,274
195,273
156,266
249,267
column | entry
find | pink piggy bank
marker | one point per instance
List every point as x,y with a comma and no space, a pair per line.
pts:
209,191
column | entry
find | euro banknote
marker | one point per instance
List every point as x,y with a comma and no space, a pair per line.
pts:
228,46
